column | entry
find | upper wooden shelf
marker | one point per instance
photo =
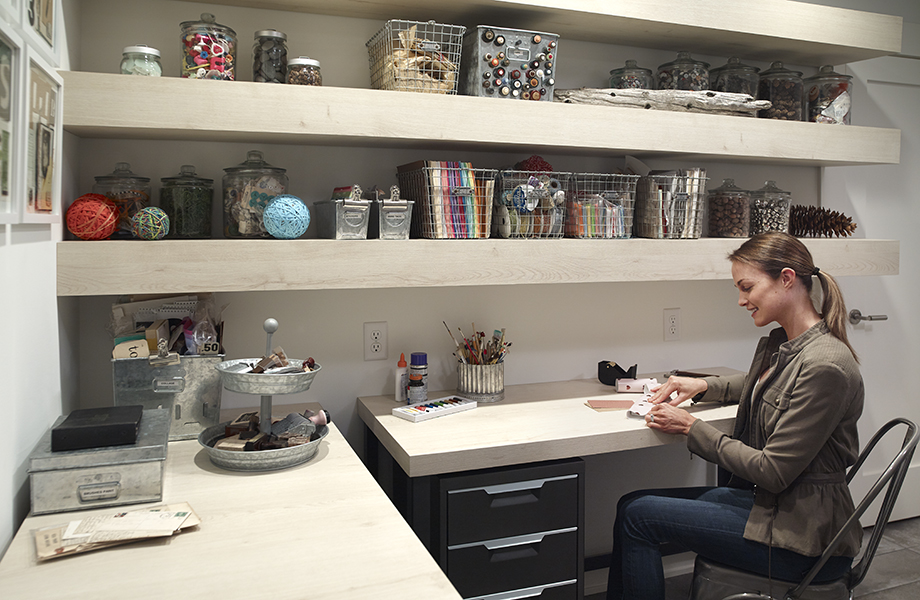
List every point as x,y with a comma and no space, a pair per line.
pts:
794,32
157,108
181,266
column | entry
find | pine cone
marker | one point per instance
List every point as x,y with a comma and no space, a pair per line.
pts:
813,221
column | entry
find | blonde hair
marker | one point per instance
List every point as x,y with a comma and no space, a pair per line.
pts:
774,251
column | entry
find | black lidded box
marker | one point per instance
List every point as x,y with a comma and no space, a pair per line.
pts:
97,427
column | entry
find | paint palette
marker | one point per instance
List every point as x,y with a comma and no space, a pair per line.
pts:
434,408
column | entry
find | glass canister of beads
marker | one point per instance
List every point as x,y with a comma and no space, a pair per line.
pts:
770,208
269,56
729,210
784,89
187,200
828,97
683,73
735,77
632,76
141,60
304,71
247,188
208,49
130,193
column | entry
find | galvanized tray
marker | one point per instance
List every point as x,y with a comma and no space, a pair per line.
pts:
258,460
265,384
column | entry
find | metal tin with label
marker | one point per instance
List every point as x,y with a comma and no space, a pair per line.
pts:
498,62
99,477
191,390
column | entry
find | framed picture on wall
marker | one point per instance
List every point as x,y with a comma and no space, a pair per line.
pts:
40,20
12,125
44,133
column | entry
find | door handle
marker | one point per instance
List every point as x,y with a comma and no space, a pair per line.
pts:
856,317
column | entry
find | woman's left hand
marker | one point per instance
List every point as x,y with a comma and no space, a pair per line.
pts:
669,419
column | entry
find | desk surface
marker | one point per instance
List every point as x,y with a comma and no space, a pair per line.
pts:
323,529
535,422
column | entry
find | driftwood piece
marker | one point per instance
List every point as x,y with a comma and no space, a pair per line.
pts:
721,103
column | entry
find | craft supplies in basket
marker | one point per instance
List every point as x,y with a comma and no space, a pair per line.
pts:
187,199
600,205
452,199
92,217
286,217
247,189
530,204
150,223
669,204
412,56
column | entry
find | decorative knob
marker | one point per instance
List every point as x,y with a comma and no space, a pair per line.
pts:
856,317
270,326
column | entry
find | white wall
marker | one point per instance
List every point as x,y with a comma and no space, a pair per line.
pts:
559,332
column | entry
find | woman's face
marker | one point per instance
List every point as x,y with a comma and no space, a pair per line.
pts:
758,293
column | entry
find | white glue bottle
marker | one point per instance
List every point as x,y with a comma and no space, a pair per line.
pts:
402,379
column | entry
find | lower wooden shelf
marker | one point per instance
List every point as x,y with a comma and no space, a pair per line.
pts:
180,266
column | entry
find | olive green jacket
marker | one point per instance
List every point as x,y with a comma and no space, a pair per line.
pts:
792,442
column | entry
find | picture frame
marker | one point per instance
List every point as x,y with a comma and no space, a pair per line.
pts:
43,138
12,128
40,24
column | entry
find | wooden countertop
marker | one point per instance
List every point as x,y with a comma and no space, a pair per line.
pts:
323,529
535,422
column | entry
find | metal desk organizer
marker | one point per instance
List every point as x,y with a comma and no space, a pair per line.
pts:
98,477
189,388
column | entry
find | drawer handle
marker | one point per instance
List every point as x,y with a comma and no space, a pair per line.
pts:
521,540
516,486
531,592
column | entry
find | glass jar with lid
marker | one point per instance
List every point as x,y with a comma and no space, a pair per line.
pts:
729,211
632,76
269,56
187,200
130,193
770,209
141,60
683,73
247,189
828,97
784,89
735,77
208,49
304,71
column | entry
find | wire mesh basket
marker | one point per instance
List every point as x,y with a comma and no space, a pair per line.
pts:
670,205
601,206
452,199
412,56
530,204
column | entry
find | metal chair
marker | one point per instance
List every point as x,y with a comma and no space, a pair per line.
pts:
715,581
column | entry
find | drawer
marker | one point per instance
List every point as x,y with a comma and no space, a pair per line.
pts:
510,509
564,590
498,565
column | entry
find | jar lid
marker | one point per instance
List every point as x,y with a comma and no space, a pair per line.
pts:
728,186
734,64
303,60
207,22
631,67
122,171
269,33
186,176
683,58
254,162
141,49
827,72
778,70
770,188
418,358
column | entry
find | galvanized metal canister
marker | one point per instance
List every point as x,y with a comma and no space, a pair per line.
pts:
482,383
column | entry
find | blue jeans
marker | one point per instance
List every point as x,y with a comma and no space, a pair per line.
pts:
705,520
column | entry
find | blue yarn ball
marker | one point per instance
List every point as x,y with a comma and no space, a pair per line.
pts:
286,217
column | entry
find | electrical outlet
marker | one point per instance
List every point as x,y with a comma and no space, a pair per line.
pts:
375,340
671,324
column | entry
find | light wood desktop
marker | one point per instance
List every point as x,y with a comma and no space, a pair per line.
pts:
323,529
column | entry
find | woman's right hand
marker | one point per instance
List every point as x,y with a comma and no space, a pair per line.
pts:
686,388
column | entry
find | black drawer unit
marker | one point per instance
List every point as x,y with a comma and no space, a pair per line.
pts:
515,532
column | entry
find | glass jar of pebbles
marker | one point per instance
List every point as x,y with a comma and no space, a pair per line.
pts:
729,211
770,209
269,56
304,71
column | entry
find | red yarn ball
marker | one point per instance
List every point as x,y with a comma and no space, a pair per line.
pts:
92,217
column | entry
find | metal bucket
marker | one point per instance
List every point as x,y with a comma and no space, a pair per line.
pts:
264,384
258,460
482,383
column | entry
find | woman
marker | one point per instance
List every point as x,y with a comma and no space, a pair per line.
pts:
794,437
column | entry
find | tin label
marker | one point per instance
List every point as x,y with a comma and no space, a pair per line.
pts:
462,191
172,385
428,45
99,491
518,53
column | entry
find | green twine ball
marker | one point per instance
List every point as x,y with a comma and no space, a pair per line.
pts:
286,217
150,223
